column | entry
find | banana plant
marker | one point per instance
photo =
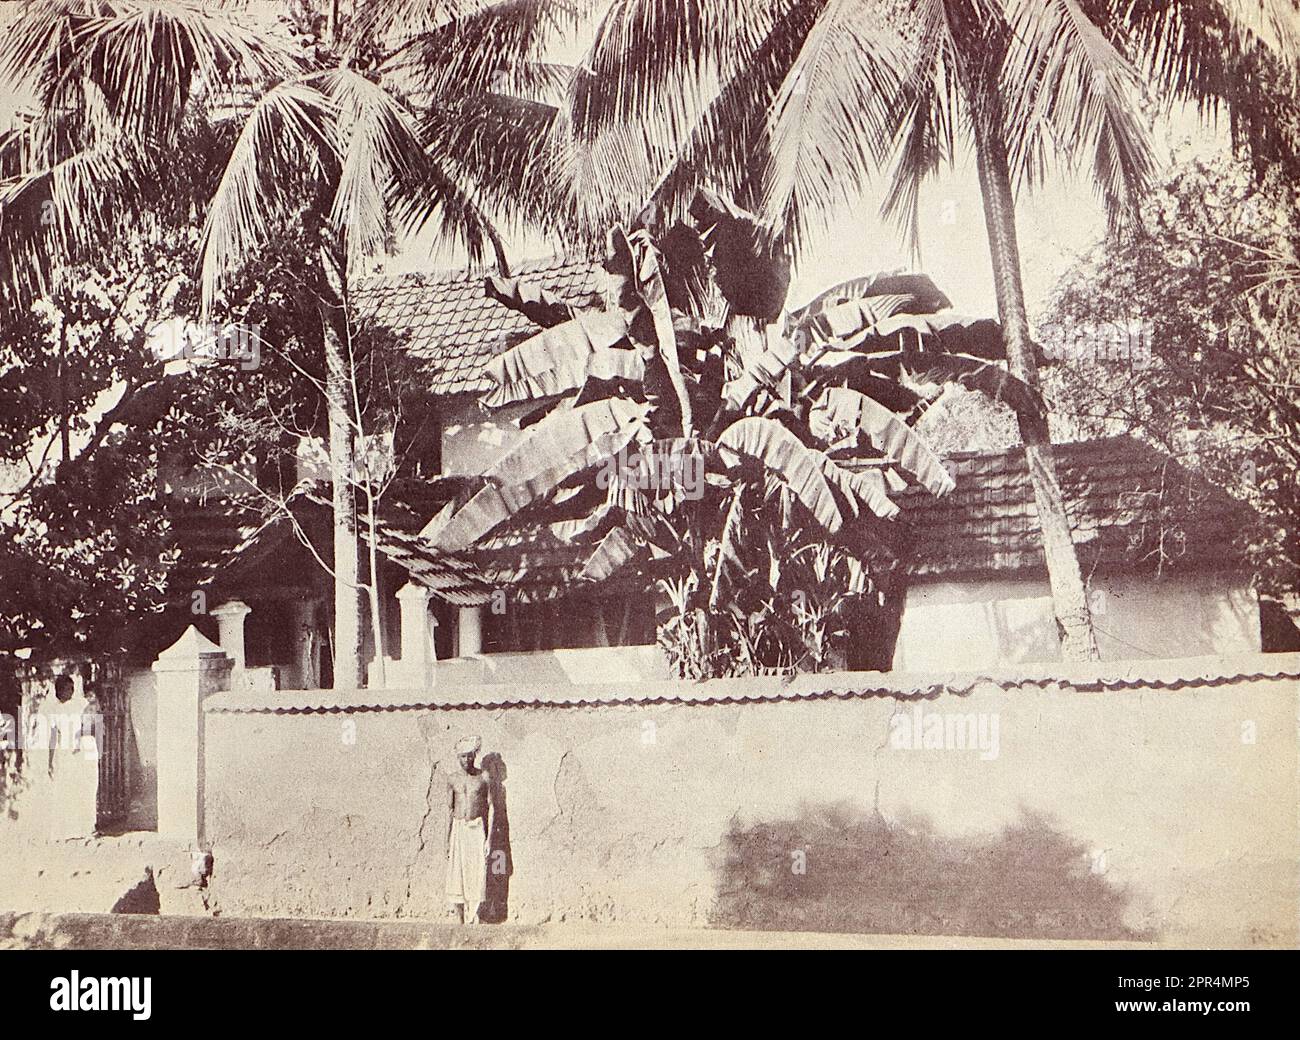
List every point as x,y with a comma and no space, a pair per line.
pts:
668,447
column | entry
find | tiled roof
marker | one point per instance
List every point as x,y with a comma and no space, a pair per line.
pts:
530,561
1100,678
1129,504
451,323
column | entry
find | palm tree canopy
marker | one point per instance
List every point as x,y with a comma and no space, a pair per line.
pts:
791,106
434,133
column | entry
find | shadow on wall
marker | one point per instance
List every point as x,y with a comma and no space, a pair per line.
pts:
500,864
836,868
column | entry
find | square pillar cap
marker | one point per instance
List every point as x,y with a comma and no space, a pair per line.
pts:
414,591
192,650
231,608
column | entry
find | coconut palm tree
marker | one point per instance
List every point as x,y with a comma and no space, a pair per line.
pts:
420,113
794,105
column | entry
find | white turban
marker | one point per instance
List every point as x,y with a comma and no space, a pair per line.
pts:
468,745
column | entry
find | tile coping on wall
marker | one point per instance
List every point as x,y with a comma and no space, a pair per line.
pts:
1178,674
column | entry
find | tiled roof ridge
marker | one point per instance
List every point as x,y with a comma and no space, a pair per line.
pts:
1113,676
1087,444
538,265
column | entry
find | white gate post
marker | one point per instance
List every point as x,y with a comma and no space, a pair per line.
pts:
186,672
417,655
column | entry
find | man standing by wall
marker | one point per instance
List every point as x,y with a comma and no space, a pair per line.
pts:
468,825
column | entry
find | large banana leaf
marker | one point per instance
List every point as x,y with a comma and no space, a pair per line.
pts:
565,443
667,472
728,556
844,322
796,465
862,373
938,333
763,370
922,296
633,266
841,411
560,359
615,551
926,374
862,486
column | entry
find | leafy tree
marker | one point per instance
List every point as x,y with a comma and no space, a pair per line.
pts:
426,131
92,418
1186,335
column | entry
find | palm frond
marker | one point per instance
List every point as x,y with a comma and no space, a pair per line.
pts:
1187,46
729,146
830,125
472,47
147,58
927,112
64,213
402,20
496,147
292,126
381,150
654,63
605,180
1066,81
442,198
1238,55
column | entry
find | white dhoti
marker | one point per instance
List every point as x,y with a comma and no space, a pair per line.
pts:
467,863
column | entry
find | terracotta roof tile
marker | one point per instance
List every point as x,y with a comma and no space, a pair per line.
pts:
1130,506
450,322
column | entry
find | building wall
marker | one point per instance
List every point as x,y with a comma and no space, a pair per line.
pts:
1158,812
977,624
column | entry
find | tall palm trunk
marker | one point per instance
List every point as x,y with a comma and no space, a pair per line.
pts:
338,374
987,44
1069,598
